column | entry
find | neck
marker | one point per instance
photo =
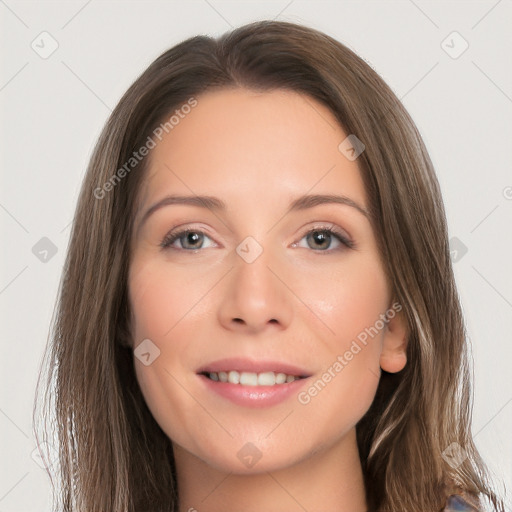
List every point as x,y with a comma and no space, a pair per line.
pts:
330,480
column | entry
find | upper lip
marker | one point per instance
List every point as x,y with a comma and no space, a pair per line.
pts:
250,365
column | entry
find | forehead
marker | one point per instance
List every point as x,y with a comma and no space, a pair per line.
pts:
250,147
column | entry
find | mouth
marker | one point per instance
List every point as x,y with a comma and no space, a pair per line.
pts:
252,378
252,383
250,372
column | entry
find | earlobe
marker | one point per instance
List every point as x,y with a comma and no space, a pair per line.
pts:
393,362
393,357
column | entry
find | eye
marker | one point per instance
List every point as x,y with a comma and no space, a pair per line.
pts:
190,239
321,238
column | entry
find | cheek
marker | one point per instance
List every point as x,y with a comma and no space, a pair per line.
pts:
153,308
163,304
336,401
174,410
351,304
349,301
159,299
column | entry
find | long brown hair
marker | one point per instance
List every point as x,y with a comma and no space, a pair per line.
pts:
112,455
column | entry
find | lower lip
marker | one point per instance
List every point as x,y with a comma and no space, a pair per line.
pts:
254,396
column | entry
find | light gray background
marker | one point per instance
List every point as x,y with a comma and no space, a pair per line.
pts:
53,109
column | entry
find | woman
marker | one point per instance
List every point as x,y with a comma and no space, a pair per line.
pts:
258,309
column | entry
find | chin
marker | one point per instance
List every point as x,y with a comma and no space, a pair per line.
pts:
245,467
244,457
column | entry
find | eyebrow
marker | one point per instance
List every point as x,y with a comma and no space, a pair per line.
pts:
215,204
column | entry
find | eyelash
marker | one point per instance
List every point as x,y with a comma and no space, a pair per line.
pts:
171,237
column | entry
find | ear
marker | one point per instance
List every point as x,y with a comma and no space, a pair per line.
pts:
393,357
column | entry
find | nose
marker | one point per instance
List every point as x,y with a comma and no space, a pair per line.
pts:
256,294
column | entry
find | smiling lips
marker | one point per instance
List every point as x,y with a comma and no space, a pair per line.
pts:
251,378
248,372
252,383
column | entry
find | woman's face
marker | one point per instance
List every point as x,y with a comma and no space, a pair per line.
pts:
248,291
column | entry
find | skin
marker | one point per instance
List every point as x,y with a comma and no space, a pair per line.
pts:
302,301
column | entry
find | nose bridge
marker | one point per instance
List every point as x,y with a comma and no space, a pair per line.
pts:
254,295
252,268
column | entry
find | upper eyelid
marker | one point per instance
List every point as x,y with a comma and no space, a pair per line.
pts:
327,226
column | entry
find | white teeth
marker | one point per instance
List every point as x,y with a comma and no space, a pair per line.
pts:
266,379
234,377
251,378
248,379
280,378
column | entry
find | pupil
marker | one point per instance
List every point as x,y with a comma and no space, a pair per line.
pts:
320,236
192,237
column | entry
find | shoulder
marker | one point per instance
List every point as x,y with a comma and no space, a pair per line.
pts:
464,502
